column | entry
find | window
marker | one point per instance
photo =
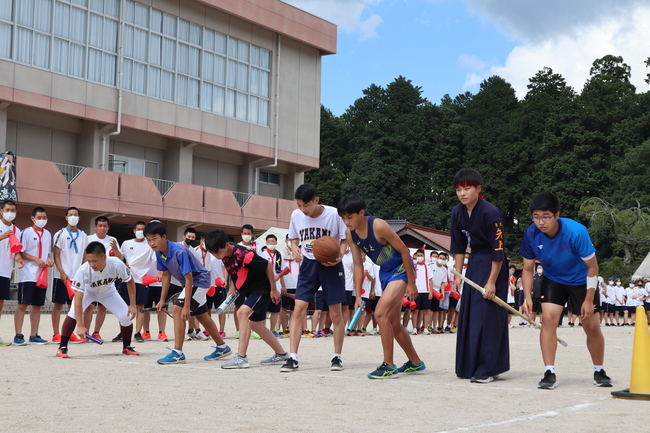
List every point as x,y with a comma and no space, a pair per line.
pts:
271,178
130,165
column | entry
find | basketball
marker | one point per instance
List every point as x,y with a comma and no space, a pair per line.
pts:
326,249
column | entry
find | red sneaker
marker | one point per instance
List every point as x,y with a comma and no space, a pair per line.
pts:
162,336
146,336
56,338
130,351
97,336
62,353
75,340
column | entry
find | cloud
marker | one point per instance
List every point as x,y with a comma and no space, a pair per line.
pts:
572,51
349,15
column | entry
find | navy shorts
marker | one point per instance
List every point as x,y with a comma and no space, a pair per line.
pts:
647,306
435,305
350,299
259,304
314,275
59,292
153,296
374,302
288,303
141,294
195,308
28,293
273,307
239,301
368,308
173,289
453,302
422,302
5,285
209,301
218,298
319,302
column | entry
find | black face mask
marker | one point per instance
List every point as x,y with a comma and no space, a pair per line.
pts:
192,243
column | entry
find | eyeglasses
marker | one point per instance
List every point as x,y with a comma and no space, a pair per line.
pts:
545,218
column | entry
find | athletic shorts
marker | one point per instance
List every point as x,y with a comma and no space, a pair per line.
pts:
173,289
273,307
453,302
560,294
319,302
59,292
537,305
259,304
288,303
197,304
314,275
388,275
220,294
153,296
350,299
29,294
209,301
239,301
630,309
647,306
141,294
512,304
123,291
5,286
374,302
422,302
609,308
368,307
435,305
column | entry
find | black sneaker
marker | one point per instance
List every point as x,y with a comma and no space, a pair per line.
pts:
337,364
289,366
601,379
571,324
137,336
117,338
548,382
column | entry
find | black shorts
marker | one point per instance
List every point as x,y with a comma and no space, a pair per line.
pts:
374,302
435,304
453,302
273,307
195,308
288,303
422,302
537,305
218,298
29,294
647,306
368,307
239,301
59,292
560,294
350,299
141,294
319,302
5,288
153,296
259,304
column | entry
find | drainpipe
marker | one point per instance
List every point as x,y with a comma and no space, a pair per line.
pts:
277,118
120,62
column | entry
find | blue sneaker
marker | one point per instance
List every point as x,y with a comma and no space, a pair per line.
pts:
36,339
218,353
411,368
172,358
384,371
19,340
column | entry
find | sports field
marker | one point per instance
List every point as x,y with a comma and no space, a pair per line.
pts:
100,390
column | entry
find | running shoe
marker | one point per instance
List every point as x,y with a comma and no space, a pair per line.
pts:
237,335
187,337
162,336
510,325
4,343
276,359
199,336
453,329
384,371
414,331
236,362
411,368
480,378
276,335
327,331
138,337
375,332
97,336
222,334
255,335
307,333
337,364
289,366
56,338
172,358
601,379
62,353
426,331
130,351
317,334
117,338
447,329
192,335
287,334
218,353
350,333
548,382
36,339
206,334
146,336
74,339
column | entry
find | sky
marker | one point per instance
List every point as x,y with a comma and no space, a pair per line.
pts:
451,46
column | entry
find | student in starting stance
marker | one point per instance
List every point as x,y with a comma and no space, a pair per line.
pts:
375,237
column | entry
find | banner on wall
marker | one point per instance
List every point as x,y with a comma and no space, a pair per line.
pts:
8,177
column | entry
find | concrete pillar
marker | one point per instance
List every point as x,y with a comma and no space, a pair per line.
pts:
89,146
179,161
3,126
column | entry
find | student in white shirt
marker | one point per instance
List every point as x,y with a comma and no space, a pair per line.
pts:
439,281
7,258
290,281
272,255
69,249
366,288
375,296
423,301
619,300
37,245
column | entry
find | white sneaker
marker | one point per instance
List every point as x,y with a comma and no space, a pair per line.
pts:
426,332
187,337
4,343
373,332
236,362
414,331
276,359
201,336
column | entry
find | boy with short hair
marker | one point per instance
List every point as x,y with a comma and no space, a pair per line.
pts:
290,282
564,248
69,248
189,241
253,276
482,345
247,233
7,258
94,281
310,222
37,245
278,265
423,301
177,261
439,281
382,245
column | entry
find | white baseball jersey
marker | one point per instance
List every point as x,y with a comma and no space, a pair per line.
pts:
307,229
6,257
100,281
72,248
34,242
139,256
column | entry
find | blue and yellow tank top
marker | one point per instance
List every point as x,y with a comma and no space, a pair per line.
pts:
385,256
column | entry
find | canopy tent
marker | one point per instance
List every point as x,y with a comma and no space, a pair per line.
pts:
643,271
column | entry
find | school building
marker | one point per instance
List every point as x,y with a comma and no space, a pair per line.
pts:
199,113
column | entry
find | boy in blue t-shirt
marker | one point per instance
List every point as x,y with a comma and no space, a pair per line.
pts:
564,248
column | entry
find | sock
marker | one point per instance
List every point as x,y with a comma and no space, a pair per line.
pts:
598,368
126,332
337,355
294,356
550,367
179,351
222,346
64,342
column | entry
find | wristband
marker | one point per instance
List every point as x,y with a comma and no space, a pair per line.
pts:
592,282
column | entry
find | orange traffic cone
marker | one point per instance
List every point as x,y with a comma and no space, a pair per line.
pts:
640,376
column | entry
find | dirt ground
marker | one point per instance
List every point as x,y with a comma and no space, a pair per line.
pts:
100,390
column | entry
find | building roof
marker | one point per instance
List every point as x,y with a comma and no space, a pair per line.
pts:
415,235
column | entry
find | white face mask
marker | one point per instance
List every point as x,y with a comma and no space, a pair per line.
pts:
465,261
442,262
540,271
618,283
420,259
271,247
73,220
246,238
631,285
611,283
9,216
139,234
40,223
512,272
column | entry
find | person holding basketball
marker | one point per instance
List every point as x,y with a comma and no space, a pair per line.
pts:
308,223
382,245
94,281
178,261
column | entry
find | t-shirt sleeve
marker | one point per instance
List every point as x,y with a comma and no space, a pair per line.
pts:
293,230
582,243
58,240
342,228
124,272
526,248
79,281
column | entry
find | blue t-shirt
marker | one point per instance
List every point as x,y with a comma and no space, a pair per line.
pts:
178,260
562,256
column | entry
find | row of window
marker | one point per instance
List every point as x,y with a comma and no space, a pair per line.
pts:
165,57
